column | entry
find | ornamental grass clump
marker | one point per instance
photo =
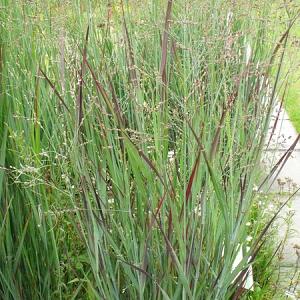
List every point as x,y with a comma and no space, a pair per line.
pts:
131,140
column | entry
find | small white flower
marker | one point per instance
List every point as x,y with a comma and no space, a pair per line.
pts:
248,224
111,201
171,154
44,154
249,238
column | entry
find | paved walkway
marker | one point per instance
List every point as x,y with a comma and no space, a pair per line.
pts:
287,182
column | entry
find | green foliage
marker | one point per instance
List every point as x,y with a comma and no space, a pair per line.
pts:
292,61
130,146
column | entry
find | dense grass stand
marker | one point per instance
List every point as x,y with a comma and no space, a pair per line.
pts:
131,136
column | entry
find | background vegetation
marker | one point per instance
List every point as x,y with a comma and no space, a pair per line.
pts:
292,102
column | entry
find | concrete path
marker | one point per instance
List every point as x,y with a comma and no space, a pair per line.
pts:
286,183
